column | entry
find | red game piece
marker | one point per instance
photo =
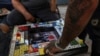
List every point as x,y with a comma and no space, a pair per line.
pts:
23,28
18,36
50,37
35,49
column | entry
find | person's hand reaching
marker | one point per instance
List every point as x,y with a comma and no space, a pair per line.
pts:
51,49
29,17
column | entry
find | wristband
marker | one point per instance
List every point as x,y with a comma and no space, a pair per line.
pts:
56,45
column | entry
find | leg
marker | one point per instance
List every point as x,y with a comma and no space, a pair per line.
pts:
95,37
14,18
4,44
96,47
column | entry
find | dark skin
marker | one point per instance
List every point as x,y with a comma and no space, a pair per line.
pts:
77,17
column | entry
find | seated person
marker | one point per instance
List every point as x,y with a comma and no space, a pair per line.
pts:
31,11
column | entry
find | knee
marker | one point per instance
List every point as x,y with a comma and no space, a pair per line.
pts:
5,28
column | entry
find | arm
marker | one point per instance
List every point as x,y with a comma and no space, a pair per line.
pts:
53,5
19,7
78,15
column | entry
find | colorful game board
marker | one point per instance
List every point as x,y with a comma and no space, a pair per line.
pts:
30,39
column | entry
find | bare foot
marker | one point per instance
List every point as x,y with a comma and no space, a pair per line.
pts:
4,11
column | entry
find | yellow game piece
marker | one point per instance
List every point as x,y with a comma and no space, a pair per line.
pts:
41,51
17,52
80,41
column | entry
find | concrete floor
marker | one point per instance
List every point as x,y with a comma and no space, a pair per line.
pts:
62,10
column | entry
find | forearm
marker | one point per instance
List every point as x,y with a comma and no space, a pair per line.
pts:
77,17
18,6
53,5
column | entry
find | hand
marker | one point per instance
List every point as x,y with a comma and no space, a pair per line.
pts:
53,10
51,49
29,17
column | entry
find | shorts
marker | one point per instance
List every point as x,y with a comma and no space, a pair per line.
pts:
42,14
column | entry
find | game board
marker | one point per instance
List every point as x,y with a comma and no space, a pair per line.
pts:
30,39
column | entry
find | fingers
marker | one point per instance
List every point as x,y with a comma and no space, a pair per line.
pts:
32,20
29,17
50,49
49,53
